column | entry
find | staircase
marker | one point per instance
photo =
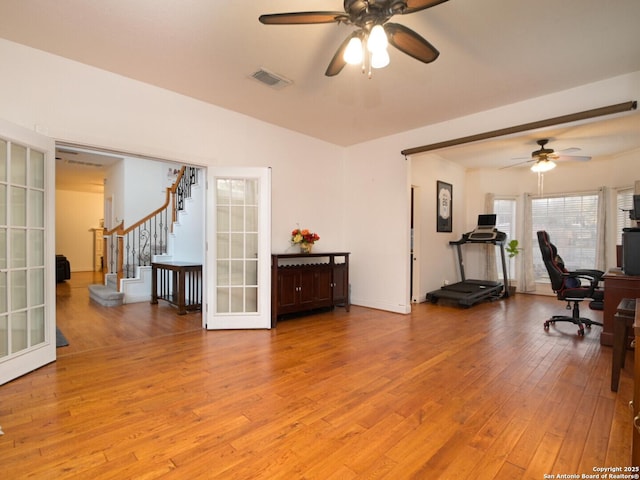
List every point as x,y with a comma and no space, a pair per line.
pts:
106,295
129,252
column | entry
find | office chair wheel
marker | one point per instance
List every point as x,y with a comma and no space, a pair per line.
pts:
581,332
546,325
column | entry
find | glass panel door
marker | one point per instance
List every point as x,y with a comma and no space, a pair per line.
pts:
240,296
27,287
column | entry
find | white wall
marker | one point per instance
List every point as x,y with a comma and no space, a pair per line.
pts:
186,243
76,214
145,183
435,255
114,191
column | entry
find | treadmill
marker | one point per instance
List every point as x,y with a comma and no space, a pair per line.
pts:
468,292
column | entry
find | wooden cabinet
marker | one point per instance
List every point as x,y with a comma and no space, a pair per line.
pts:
617,286
303,282
341,284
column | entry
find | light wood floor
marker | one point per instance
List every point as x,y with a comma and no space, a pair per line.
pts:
479,393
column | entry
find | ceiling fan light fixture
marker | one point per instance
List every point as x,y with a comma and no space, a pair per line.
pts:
354,54
380,59
370,17
377,41
542,166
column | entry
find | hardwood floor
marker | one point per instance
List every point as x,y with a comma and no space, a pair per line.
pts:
479,393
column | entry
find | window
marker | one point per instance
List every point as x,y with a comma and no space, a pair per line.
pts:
624,203
505,210
571,222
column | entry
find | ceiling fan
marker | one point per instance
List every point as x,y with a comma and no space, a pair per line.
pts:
544,157
371,17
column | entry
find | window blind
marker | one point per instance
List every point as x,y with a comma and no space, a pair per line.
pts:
571,222
505,210
624,203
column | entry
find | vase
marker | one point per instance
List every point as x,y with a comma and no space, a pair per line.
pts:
306,247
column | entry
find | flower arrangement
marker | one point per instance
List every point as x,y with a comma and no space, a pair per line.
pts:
304,238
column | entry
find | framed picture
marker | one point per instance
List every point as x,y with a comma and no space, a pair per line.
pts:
444,199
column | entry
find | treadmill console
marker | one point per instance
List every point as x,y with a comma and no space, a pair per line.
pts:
495,237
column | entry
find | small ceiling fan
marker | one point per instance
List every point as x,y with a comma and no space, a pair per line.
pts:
545,158
373,33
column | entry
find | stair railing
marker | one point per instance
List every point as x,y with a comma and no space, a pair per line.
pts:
135,246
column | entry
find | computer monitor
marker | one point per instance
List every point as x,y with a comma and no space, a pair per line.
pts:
488,220
635,213
631,252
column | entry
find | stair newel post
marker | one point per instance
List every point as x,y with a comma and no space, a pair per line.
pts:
111,250
105,254
120,262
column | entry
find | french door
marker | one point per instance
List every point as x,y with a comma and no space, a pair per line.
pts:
239,227
27,251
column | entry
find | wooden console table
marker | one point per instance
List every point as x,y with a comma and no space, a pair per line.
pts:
179,283
617,286
303,282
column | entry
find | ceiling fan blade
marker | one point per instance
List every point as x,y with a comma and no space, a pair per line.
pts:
417,5
570,150
409,42
574,158
517,164
302,18
338,62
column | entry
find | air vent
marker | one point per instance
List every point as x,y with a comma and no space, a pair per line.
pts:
81,163
271,79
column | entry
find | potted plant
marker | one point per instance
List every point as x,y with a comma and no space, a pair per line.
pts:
512,250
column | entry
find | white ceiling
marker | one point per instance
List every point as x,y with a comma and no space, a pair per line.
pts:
83,170
492,53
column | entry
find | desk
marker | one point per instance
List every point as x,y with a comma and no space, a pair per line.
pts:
617,286
622,323
179,283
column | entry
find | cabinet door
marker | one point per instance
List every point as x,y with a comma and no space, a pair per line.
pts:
307,286
322,287
287,290
340,284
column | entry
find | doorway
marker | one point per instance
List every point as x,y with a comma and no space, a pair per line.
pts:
85,180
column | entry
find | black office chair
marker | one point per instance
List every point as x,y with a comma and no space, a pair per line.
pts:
568,286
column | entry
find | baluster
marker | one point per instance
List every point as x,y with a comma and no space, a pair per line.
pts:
117,253
163,228
127,257
138,236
